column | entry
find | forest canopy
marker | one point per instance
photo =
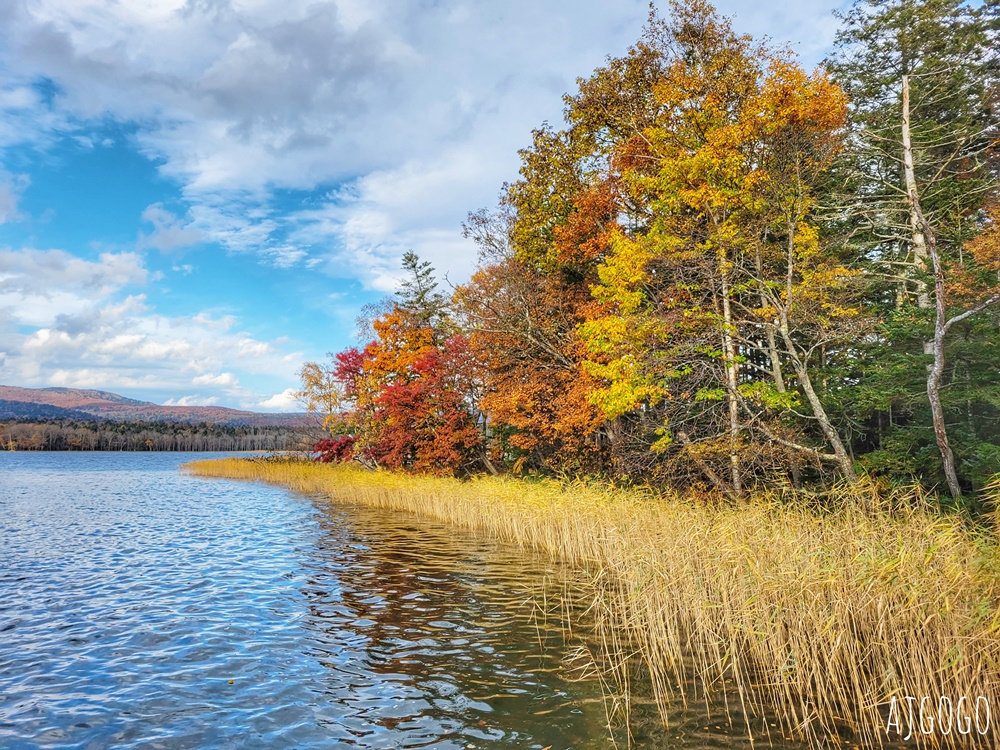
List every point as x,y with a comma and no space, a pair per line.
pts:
722,271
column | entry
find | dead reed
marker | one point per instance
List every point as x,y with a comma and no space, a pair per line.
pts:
817,616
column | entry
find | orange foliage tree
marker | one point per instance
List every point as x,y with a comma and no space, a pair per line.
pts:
718,301
523,308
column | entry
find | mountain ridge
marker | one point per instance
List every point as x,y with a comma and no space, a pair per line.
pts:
70,403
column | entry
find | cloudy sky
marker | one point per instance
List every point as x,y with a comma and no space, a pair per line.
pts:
196,196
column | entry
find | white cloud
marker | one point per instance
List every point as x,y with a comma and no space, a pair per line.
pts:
251,348
194,400
56,289
223,378
223,323
18,98
30,271
169,231
284,401
286,256
11,188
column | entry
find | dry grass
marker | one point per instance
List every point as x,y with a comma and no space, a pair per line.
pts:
818,616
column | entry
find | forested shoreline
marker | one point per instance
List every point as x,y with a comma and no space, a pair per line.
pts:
109,435
722,273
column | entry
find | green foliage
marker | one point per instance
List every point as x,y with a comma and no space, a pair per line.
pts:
418,294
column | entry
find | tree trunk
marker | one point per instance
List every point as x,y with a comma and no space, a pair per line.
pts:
934,374
732,380
918,239
489,465
832,436
934,347
772,344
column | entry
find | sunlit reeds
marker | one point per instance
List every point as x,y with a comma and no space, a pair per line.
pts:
817,616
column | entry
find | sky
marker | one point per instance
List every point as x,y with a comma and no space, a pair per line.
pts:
197,196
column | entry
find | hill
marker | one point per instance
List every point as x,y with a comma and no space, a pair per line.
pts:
23,410
78,403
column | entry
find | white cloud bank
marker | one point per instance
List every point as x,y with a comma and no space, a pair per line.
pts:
66,321
287,400
417,109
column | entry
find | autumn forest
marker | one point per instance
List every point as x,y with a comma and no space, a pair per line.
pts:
720,272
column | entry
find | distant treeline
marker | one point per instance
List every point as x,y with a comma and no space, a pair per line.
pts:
73,435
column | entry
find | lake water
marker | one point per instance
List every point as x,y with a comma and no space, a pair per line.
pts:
141,607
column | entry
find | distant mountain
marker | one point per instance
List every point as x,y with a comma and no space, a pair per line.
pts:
78,403
81,394
28,410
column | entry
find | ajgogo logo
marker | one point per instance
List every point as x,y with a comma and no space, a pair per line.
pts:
924,715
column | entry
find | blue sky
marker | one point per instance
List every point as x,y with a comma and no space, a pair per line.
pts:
197,196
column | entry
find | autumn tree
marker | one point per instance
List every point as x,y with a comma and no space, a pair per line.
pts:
542,250
539,254
535,396
321,392
407,399
717,303
424,423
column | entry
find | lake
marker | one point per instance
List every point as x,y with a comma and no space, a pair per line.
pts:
144,608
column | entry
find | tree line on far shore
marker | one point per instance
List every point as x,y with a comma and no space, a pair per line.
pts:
722,272
107,435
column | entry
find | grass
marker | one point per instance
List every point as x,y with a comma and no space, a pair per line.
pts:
819,616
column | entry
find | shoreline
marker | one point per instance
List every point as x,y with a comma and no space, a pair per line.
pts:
826,619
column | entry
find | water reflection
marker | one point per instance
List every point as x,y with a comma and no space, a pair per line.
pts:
441,641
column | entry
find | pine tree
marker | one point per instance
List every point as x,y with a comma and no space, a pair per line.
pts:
418,296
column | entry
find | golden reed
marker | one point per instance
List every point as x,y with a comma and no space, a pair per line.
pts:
855,620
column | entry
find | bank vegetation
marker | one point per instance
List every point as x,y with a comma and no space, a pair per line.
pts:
817,614
721,270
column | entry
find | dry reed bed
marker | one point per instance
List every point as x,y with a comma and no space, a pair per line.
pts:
820,617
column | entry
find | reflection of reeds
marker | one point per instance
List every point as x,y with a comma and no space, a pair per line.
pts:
821,615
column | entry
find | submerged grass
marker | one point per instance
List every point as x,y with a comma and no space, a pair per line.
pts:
818,617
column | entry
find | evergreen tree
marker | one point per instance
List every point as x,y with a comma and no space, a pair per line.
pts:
918,173
418,296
